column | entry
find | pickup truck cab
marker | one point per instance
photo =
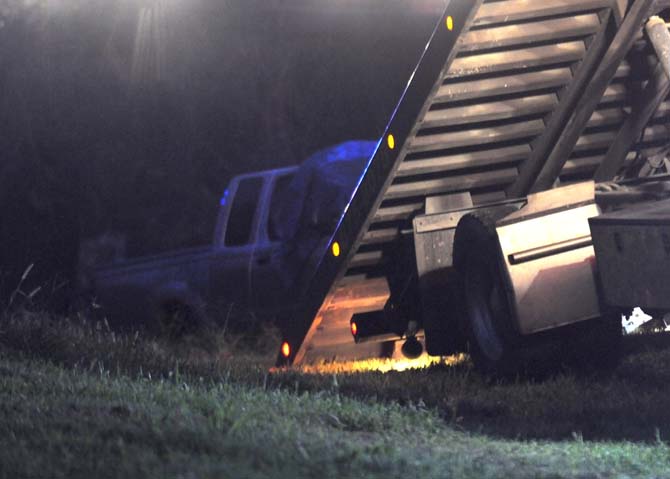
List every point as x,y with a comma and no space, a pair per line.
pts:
269,227
244,266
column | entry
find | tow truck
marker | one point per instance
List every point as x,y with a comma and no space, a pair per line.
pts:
516,204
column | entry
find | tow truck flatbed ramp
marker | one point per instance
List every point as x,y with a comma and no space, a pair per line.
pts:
494,93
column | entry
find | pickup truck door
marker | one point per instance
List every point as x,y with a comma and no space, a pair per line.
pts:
270,285
236,236
245,268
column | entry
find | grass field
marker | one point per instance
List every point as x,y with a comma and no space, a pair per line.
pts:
76,400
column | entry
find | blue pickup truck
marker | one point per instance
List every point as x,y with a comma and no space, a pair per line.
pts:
270,226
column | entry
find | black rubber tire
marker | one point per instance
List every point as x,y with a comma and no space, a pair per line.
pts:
486,315
178,312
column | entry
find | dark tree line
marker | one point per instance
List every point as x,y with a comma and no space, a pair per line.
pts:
131,116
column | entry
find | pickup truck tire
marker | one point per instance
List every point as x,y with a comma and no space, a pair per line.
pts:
178,311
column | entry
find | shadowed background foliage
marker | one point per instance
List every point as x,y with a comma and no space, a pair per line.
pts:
130,116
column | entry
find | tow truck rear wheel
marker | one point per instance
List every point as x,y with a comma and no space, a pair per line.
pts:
485,319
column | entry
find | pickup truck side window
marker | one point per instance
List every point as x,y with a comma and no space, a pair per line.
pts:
278,196
242,212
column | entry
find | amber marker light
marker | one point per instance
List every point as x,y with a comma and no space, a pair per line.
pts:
450,23
390,140
336,249
286,349
354,328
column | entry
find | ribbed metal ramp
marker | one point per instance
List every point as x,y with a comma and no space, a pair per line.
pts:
488,99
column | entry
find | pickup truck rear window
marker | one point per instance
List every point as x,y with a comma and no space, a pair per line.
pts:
242,212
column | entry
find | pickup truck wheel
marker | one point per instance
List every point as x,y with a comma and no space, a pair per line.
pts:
486,319
176,318
178,312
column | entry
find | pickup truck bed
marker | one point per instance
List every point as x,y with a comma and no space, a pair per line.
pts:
130,290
